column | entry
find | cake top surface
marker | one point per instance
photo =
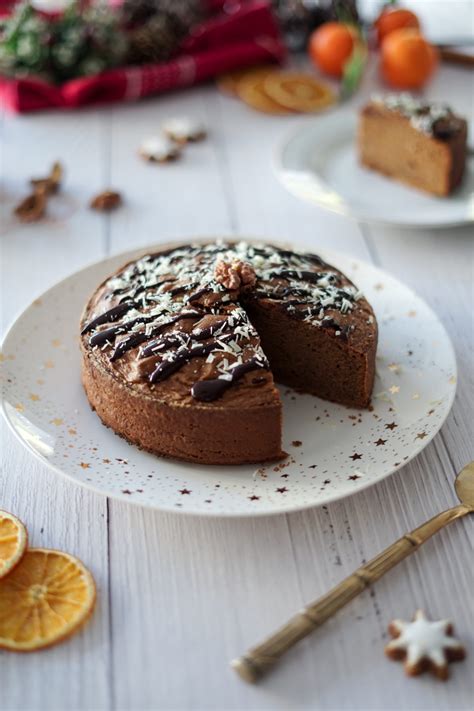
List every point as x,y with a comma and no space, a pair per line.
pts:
432,118
180,315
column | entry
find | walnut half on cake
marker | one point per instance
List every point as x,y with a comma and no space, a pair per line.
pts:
419,143
182,348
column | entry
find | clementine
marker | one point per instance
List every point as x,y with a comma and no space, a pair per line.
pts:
395,18
407,59
331,45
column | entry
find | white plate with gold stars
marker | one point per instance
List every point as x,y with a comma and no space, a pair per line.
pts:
333,451
319,163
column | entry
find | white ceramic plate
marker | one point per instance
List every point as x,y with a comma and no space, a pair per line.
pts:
319,163
333,451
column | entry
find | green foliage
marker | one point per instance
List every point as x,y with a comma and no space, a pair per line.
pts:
354,70
76,43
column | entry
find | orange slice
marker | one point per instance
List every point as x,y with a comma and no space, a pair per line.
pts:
46,598
228,82
251,90
298,92
13,542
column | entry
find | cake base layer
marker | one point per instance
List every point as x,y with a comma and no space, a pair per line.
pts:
202,435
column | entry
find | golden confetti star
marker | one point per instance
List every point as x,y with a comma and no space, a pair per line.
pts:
355,456
380,442
421,435
85,465
19,407
415,396
394,389
394,367
57,421
391,425
34,397
49,364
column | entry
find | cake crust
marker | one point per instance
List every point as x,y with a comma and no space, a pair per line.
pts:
183,365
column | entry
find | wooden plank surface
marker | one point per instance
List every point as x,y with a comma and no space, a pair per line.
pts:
180,596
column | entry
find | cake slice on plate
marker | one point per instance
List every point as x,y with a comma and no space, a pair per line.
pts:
419,143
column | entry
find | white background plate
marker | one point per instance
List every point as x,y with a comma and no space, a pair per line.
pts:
333,451
319,163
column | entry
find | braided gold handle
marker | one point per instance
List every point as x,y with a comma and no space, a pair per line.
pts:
258,660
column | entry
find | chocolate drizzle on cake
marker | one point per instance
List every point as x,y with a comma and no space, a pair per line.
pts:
170,308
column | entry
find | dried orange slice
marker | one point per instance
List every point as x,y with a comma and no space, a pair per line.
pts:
13,542
251,90
228,82
46,598
298,92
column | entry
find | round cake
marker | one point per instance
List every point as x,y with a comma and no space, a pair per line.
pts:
182,348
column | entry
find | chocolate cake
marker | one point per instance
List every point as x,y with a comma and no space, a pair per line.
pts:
182,348
419,143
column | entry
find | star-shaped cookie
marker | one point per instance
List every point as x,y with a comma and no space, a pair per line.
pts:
425,645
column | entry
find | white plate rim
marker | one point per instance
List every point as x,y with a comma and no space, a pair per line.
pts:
290,508
344,208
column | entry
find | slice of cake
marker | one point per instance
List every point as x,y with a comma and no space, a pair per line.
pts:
182,348
419,143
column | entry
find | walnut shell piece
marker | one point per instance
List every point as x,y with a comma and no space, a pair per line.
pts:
106,201
33,207
52,182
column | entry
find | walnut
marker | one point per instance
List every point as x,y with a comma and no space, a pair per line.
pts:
235,274
105,201
33,207
52,182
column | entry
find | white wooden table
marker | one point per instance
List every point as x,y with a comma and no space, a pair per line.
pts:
180,596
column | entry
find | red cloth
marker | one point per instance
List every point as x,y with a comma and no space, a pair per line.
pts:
249,35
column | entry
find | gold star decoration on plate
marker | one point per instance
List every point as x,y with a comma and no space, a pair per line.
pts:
424,645
394,367
394,389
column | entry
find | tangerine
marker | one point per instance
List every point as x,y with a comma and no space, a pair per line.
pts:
395,18
407,59
331,45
